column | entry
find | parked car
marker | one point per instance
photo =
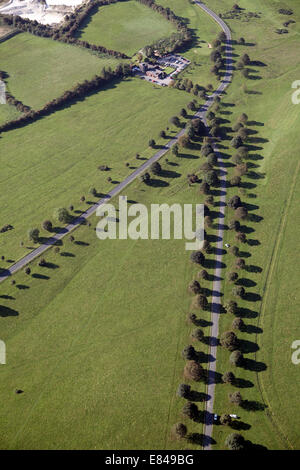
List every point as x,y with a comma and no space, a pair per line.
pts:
216,417
234,416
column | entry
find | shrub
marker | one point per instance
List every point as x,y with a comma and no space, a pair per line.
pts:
243,118
235,441
235,180
47,225
145,178
229,340
27,271
193,371
236,358
162,134
234,250
209,201
184,390
175,121
151,143
33,235
228,378
93,192
184,141
241,169
42,262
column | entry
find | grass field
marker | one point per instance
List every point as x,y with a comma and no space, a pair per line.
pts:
52,162
41,69
103,343
7,113
126,27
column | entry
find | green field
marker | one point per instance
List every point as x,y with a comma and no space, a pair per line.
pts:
41,69
54,161
7,113
125,26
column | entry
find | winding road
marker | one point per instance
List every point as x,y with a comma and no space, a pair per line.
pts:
216,304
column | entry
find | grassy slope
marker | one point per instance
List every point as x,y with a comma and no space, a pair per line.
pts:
126,27
275,162
41,69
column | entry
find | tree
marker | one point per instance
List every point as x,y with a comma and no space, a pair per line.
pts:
243,118
198,334
206,150
47,225
191,106
238,291
229,340
234,202
241,213
162,134
183,113
209,201
175,150
233,225
235,441
145,178
197,257
184,141
155,168
225,420
193,371
222,36
234,250
212,159
93,192
194,287
241,169
201,301
243,133
152,143
235,180
232,276
33,235
211,178
245,59
175,121
62,215
27,271
184,390
190,410
235,398
236,358
231,306
204,188
228,378
189,353
240,263
179,430
238,324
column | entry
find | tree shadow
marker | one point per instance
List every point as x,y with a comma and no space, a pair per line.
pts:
67,254
247,346
242,383
254,366
22,286
40,276
253,405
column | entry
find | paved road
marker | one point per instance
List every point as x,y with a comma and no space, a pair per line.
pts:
208,428
216,304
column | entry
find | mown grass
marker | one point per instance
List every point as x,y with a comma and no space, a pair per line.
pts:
126,27
270,190
7,113
40,69
54,161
